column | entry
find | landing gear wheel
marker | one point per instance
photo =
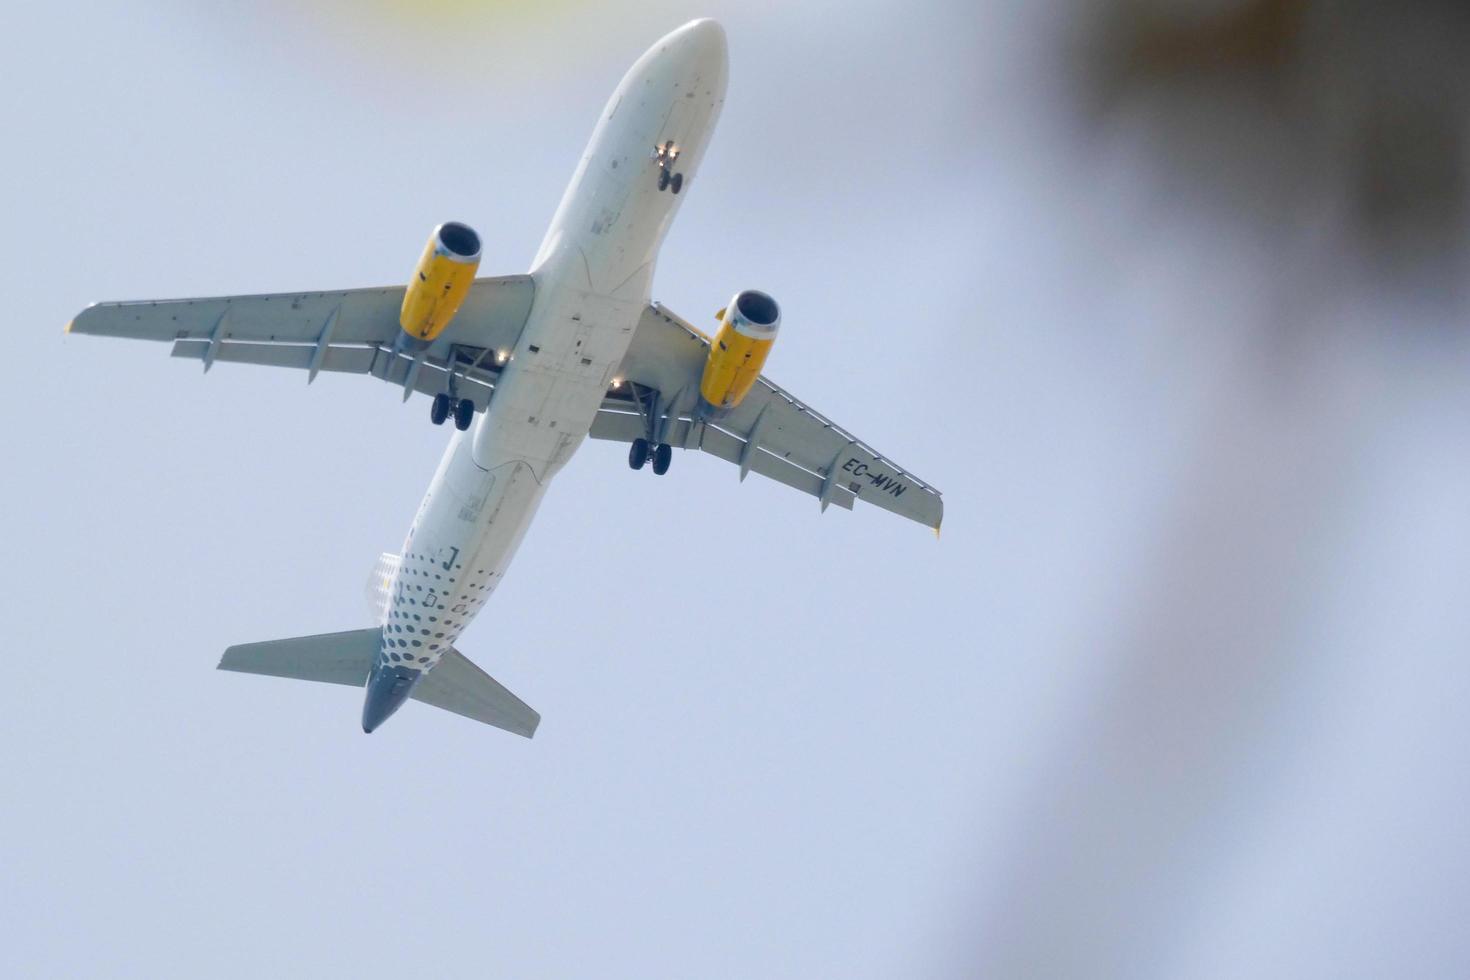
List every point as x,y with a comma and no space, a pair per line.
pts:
663,455
464,414
638,453
663,180
676,183
439,411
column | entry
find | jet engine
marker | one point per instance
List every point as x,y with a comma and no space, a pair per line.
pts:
440,283
738,352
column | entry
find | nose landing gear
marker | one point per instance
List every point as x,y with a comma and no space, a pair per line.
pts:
665,156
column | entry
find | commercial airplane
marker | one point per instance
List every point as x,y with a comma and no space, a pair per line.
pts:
528,367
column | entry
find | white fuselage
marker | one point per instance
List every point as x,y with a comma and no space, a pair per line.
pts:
592,279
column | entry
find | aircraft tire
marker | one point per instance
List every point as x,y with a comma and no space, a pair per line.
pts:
676,183
638,453
663,455
439,410
464,414
663,179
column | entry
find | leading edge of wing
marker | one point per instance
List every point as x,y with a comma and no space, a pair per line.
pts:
495,309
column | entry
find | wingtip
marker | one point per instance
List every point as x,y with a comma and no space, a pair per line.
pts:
230,659
71,325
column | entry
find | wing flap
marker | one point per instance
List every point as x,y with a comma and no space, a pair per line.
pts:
619,426
351,360
380,363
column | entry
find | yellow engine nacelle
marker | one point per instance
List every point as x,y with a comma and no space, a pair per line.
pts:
440,283
738,351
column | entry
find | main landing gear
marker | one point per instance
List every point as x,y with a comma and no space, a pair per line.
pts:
448,404
652,446
641,451
463,410
665,156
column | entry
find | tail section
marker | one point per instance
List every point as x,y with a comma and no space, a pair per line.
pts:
455,684
334,658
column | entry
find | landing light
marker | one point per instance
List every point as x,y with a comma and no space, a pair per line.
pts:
501,356
617,382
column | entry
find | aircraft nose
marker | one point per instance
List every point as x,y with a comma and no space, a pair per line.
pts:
387,688
703,38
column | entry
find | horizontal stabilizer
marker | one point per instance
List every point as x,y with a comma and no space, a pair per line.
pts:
334,658
455,684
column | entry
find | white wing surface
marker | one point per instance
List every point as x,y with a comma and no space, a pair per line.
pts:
351,331
771,432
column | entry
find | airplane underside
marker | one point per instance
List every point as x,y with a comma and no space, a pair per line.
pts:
527,367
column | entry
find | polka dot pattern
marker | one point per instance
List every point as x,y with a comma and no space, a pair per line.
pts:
430,602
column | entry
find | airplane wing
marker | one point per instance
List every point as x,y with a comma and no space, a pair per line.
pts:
771,432
349,330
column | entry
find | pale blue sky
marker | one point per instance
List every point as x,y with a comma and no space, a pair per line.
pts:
774,743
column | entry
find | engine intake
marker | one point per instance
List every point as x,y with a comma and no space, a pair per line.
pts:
440,283
748,328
